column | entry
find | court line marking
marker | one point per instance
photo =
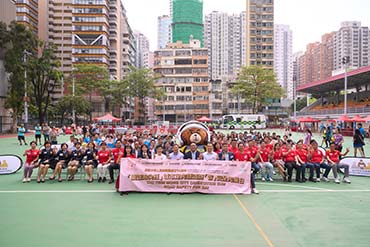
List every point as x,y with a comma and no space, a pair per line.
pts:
250,216
57,191
292,186
113,191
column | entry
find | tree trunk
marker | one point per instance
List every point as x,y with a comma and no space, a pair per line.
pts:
13,128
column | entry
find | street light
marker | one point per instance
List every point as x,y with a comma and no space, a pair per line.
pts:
345,61
25,53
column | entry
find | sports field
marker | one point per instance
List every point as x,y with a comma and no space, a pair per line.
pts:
81,214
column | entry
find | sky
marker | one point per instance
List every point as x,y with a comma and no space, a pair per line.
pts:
308,19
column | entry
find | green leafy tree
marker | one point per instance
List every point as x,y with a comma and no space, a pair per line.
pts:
256,85
140,83
15,40
44,75
68,103
90,79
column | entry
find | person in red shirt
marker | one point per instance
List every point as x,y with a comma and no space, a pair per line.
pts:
268,144
264,161
117,153
241,155
291,163
233,146
302,158
32,156
104,157
253,155
277,160
317,158
333,157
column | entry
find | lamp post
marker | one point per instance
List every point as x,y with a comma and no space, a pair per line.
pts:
345,61
25,53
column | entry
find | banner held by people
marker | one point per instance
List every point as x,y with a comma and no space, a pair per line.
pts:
185,176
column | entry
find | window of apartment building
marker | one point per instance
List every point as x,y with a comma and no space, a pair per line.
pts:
183,71
182,61
200,52
181,53
200,71
200,88
200,61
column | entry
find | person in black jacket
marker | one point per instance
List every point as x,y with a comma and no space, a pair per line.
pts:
225,154
46,159
144,152
62,158
91,161
193,154
76,161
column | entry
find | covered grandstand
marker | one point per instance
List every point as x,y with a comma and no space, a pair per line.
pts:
329,92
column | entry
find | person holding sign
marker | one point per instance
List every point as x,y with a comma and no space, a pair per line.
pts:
117,153
332,155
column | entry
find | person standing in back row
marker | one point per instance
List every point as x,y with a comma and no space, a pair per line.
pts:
46,132
21,131
38,133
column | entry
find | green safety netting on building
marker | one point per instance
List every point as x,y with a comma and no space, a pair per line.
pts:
187,20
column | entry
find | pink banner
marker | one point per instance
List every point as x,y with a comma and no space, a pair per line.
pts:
185,176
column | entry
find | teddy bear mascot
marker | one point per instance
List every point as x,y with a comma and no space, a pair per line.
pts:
193,132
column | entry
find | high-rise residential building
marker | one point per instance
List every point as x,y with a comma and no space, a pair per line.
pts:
317,62
351,40
142,50
184,78
93,32
296,72
225,38
283,58
187,20
27,14
260,33
164,31
7,15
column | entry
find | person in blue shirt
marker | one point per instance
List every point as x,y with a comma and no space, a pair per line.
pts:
363,133
38,133
21,131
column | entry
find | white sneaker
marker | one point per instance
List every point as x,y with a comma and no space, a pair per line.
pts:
271,180
255,191
24,180
336,180
325,179
346,180
317,179
263,179
29,180
273,172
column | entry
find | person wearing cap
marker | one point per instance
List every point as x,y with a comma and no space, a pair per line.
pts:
104,158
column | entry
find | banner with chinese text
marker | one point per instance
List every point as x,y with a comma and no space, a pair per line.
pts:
185,176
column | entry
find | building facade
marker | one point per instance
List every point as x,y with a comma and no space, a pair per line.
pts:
283,58
7,15
187,20
27,14
93,32
142,50
351,40
260,33
317,62
184,79
164,31
225,39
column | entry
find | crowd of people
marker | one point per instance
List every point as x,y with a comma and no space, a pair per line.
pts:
101,149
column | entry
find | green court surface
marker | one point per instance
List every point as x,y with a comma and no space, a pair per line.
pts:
81,214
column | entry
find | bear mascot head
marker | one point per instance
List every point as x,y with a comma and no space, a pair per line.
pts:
193,131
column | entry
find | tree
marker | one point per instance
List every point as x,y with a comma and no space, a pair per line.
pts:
44,76
256,85
140,83
90,79
15,40
69,103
